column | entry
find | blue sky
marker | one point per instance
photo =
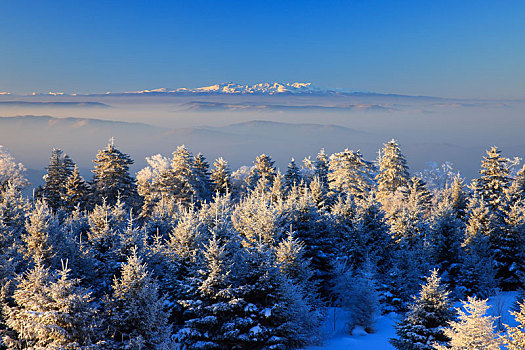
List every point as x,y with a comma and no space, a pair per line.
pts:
445,48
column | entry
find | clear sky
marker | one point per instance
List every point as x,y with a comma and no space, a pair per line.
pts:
446,48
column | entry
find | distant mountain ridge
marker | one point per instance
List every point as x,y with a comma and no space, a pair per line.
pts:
231,88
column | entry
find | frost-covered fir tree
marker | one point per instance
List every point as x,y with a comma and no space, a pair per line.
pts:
312,228
514,339
103,242
202,172
292,176
473,329
393,171
263,170
458,197
478,274
494,180
76,193
111,178
370,224
11,172
349,173
430,312
59,170
510,252
50,312
417,197
445,238
516,190
213,312
255,218
135,312
276,312
182,180
290,257
220,177
41,234
319,194
356,292
321,168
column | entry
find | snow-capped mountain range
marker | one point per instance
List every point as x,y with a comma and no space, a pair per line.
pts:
256,89
230,88
240,89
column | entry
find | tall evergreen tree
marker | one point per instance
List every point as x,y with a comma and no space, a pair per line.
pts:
11,172
349,173
41,233
59,170
263,171
202,173
514,338
111,179
220,177
135,312
321,168
494,180
50,312
473,329
292,175
393,170
429,313
76,191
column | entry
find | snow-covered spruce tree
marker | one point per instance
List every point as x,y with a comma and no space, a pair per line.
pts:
429,313
49,312
276,313
516,190
417,197
350,174
445,238
370,224
103,243
278,190
321,168
478,274
182,180
491,188
511,249
514,338
220,177
41,235
473,328
393,171
356,292
213,313
59,170
202,173
111,179
255,218
184,242
12,215
458,197
292,175
319,194
291,259
494,180
11,172
163,217
135,312
263,169
300,211
152,182
76,193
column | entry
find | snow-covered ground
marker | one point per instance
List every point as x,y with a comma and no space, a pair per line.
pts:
336,337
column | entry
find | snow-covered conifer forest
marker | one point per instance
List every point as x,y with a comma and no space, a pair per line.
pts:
189,254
